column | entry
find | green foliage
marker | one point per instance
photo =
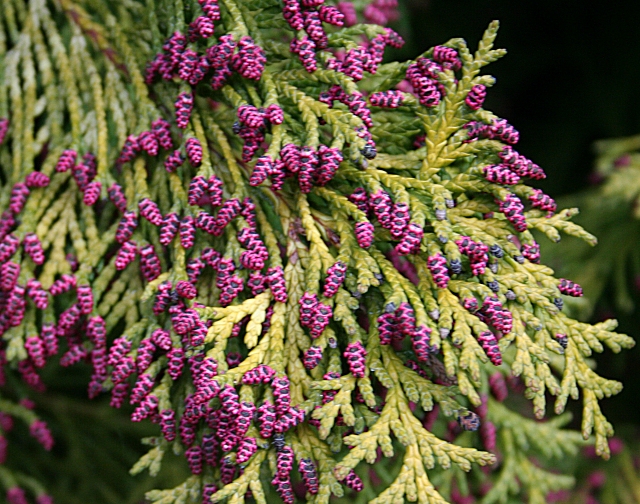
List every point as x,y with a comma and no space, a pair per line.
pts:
72,77
611,210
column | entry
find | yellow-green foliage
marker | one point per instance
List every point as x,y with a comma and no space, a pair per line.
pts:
71,77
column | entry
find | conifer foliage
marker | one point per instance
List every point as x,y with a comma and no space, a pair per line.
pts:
611,207
294,258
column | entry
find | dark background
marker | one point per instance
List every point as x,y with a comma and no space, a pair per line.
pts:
571,76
